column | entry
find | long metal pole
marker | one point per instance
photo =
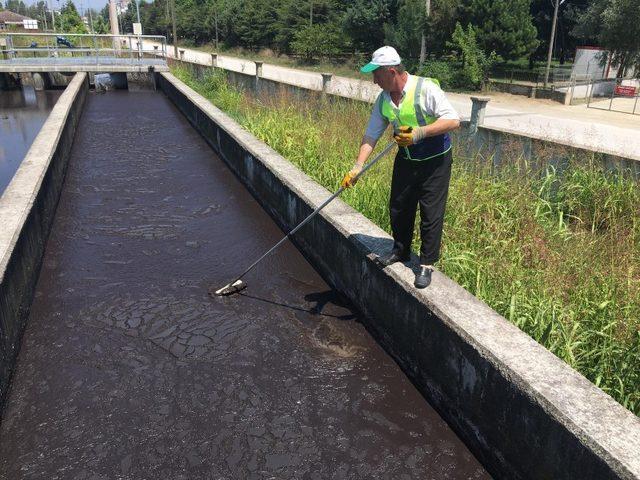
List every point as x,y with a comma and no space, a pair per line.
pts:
553,36
315,212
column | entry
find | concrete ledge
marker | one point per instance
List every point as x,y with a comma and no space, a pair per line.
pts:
523,412
505,147
27,207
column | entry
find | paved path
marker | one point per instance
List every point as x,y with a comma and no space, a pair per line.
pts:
129,370
598,130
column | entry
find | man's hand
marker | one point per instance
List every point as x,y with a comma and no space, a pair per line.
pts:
404,137
350,179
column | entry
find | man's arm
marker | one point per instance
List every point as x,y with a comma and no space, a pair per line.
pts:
376,127
366,147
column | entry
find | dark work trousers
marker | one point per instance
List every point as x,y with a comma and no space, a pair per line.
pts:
424,183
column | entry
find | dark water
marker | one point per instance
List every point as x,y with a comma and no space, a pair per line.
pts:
22,113
128,369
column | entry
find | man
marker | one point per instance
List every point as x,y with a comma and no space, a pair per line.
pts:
422,118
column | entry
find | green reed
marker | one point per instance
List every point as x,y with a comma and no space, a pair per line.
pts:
557,253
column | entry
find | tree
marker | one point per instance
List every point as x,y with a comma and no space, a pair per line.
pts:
17,6
318,40
405,33
566,41
291,16
441,24
251,23
502,26
99,25
69,20
362,21
475,62
614,25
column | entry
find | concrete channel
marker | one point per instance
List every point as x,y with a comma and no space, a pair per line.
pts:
128,369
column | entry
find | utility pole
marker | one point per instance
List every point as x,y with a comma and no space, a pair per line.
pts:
553,36
173,21
423,42
53,19
44,16
311,13
91,21
137,11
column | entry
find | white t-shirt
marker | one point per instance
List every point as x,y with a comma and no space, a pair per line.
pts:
434,104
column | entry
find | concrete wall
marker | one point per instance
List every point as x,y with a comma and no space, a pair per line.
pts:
498,148
522,411
27,208
531,91
495,145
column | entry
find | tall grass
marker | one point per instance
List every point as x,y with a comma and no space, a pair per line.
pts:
555,253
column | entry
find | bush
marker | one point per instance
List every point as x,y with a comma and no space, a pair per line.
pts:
475,62
445,72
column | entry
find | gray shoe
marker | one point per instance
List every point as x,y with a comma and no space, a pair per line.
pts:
423,277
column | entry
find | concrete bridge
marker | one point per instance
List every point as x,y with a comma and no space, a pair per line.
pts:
39,59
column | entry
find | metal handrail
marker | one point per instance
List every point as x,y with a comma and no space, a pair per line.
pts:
123,45
61,34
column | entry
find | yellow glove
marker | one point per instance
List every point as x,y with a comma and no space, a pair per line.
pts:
350,179
404,137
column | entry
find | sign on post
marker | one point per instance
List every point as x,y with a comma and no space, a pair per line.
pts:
625,91
137,29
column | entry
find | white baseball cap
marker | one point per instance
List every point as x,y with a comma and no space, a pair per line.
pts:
384,56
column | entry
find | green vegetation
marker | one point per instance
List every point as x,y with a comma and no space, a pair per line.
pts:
69,20
557,254
517,30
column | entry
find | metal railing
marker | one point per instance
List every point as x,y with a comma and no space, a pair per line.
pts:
615,94
98,49
558,76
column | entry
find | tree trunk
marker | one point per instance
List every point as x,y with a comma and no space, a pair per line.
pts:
215,19
423,40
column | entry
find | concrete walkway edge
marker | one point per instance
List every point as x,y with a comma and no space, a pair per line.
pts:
27,207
